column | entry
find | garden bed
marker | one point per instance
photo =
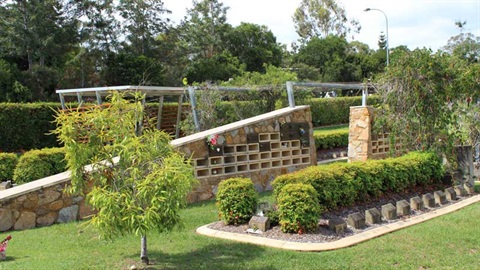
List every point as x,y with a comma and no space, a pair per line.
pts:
323,234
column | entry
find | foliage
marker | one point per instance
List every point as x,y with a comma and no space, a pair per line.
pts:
8,162
298,207
139,182
36,164
342,184
255,46
267,91
428,100
328,140
142,23
26,126
333,111
128,69
319,18
236,200
219,67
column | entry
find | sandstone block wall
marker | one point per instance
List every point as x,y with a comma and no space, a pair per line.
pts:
40,203
259,148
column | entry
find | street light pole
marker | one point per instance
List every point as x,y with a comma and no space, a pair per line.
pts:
386,20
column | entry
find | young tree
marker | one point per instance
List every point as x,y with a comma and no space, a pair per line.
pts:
319,18
139,182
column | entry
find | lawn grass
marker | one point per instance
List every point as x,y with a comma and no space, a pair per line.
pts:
331,129
448,242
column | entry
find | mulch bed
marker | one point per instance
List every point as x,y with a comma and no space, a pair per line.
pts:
324,234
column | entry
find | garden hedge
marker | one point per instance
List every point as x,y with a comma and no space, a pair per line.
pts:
236,200
342,184
36,164
298,208
8,161
26,126
331,140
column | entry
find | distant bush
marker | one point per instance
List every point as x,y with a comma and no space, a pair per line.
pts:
298,208
334,111
236,200
342,184
8,161
36,164
331,140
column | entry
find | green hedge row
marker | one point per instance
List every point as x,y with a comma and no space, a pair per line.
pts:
26,126
333,111
331,140
342,184
36,164
8,162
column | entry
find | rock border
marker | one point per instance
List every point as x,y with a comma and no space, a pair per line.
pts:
341,243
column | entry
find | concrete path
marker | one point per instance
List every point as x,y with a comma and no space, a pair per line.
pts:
344,242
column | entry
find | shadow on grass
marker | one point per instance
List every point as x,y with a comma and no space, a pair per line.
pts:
215,256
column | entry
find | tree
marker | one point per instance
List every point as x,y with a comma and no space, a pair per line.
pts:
40,34
142,23
254,46
219,67
428,101
139,182
319,18
382,42
128,69
329,56
205,28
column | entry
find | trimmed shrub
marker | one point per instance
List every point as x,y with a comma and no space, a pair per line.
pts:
342,184
8,161
298,208
27,126
331,140
332,111
36,164
236,200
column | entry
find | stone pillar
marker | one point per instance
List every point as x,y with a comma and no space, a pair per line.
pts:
360,133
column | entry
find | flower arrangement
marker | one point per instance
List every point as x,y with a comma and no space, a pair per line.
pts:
3,247
215,141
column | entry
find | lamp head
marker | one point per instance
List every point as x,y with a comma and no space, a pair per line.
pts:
367,9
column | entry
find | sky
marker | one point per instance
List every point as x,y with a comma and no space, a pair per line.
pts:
413,23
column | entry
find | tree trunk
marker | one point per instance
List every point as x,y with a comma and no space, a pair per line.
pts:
143,251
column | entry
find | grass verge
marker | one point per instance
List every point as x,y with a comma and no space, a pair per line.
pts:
448,242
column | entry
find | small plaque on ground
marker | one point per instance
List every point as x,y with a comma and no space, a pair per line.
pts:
259,223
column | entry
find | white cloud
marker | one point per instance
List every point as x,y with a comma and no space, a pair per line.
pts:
414,23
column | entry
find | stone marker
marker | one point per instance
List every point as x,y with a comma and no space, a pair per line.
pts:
337,225
450,194
403,208
440,197
469,188
460,190
416,203
389,211
260,223
428,200
356,220
373,216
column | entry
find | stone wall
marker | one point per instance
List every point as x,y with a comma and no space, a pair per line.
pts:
259,148
40,203
363,144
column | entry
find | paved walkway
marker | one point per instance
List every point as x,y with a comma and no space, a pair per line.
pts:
344,242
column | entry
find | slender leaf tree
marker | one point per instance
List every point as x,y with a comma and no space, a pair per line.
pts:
138,181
